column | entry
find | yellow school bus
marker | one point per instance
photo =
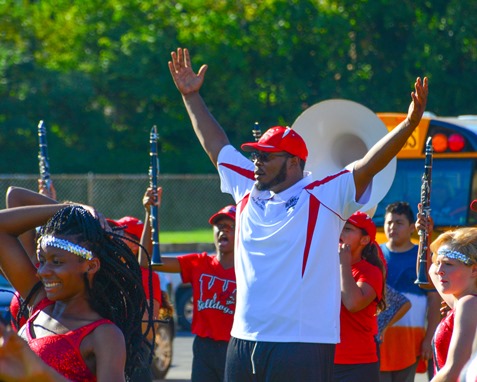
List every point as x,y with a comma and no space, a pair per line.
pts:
454,172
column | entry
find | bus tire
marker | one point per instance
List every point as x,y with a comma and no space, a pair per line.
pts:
185,309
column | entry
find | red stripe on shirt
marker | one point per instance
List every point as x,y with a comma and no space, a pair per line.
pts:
313,214
312,217
243,203
241,206
240,170
317,183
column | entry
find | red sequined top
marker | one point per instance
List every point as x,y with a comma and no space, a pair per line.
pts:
441,340
62,351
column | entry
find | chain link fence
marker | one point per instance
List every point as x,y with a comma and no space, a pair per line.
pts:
187,200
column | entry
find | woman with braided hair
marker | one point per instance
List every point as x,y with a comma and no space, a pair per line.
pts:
90,293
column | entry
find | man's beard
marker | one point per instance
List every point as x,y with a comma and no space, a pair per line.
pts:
280,178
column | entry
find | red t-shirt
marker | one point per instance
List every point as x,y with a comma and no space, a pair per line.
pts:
214,291
357,330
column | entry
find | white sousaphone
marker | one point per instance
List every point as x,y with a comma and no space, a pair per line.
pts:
337,133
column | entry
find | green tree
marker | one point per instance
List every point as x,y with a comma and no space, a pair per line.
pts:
96,71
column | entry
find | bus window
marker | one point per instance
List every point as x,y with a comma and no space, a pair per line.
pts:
450,189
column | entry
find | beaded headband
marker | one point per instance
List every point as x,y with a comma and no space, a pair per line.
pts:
78,250
455,255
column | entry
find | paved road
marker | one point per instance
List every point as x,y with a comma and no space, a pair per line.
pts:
182,360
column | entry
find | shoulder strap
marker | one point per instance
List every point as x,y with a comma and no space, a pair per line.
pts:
76,336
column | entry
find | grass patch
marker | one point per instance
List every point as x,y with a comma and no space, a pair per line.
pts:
180,237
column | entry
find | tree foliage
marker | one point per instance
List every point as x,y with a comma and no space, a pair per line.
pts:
96,71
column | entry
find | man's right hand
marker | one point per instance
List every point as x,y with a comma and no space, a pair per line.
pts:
187,82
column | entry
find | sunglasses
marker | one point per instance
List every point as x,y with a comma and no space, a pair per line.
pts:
225,226
264,156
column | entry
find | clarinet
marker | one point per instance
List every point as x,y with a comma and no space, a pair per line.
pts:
43,160
154,214
256,132
423,254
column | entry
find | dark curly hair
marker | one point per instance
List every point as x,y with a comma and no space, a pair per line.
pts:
401,208
116,292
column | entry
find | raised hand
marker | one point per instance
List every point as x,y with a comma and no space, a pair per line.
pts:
186,80
19,363
419,101
43,190
344,253
97,215
152,198
422,222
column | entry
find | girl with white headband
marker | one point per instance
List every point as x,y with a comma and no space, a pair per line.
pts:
454,274
85,312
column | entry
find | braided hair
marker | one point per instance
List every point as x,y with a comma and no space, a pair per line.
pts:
116,292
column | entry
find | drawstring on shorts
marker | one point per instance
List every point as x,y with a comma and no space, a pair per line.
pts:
251,358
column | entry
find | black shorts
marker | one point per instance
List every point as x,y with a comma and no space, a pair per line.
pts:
361,372
208,362
250,361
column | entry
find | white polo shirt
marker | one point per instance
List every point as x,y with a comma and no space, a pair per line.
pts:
286,253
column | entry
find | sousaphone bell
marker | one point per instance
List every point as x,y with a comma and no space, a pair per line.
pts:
337,133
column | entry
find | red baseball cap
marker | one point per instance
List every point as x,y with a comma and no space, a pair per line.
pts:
361,220
473,205
227,211
279,138
132,225
113,223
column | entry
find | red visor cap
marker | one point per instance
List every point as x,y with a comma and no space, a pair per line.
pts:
279,138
